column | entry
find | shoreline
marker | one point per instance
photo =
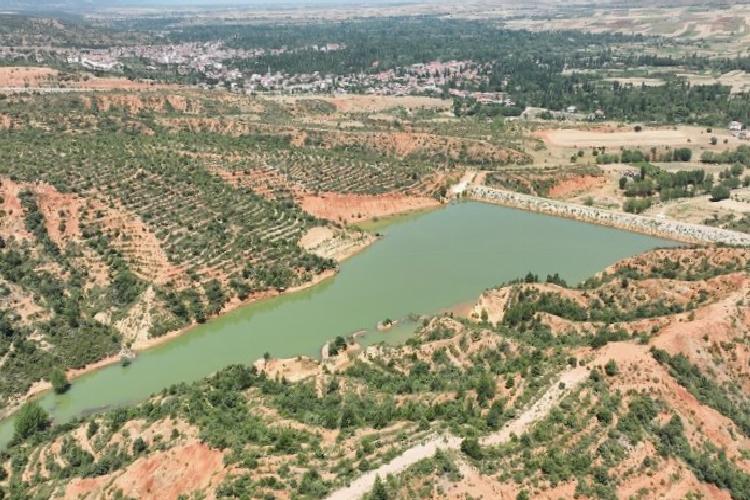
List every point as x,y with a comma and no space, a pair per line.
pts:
373,226
370,226
43,386
666,228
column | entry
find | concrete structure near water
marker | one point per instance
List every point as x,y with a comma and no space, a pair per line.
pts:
654,226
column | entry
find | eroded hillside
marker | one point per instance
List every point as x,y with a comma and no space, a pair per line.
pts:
633,384
129,215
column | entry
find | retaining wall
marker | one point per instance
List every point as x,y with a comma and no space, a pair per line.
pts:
655,226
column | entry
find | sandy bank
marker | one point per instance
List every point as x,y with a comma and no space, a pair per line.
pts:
335,244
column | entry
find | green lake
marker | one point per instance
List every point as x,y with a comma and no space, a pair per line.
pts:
424,264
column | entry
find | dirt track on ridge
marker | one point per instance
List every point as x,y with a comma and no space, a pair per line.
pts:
363,484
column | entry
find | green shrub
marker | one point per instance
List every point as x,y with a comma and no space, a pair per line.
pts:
30,419
611,368
59,381
471,448
719,192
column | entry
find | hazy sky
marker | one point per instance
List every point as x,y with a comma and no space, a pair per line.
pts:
93,4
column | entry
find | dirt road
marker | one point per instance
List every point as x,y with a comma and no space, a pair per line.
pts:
536,412
362,485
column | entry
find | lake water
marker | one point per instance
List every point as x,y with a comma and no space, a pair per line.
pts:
423,264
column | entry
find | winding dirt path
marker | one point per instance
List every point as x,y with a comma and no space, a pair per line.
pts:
363,484
536,412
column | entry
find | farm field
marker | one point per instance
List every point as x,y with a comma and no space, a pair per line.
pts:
724,28
368,104
23,79
738,81
595,165
637,81
626,137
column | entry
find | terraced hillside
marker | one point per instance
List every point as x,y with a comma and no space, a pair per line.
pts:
313,169
545,181
94,221
128,215
131,214
631,385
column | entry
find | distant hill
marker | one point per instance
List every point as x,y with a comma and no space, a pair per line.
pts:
93,5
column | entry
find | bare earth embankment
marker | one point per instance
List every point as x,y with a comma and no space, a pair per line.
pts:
352,208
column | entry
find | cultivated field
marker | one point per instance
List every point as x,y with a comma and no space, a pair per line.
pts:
636,81
738,81
723,27
21,78
370,104
627,137
26,76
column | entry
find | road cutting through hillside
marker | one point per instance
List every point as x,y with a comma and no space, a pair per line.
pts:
568,380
